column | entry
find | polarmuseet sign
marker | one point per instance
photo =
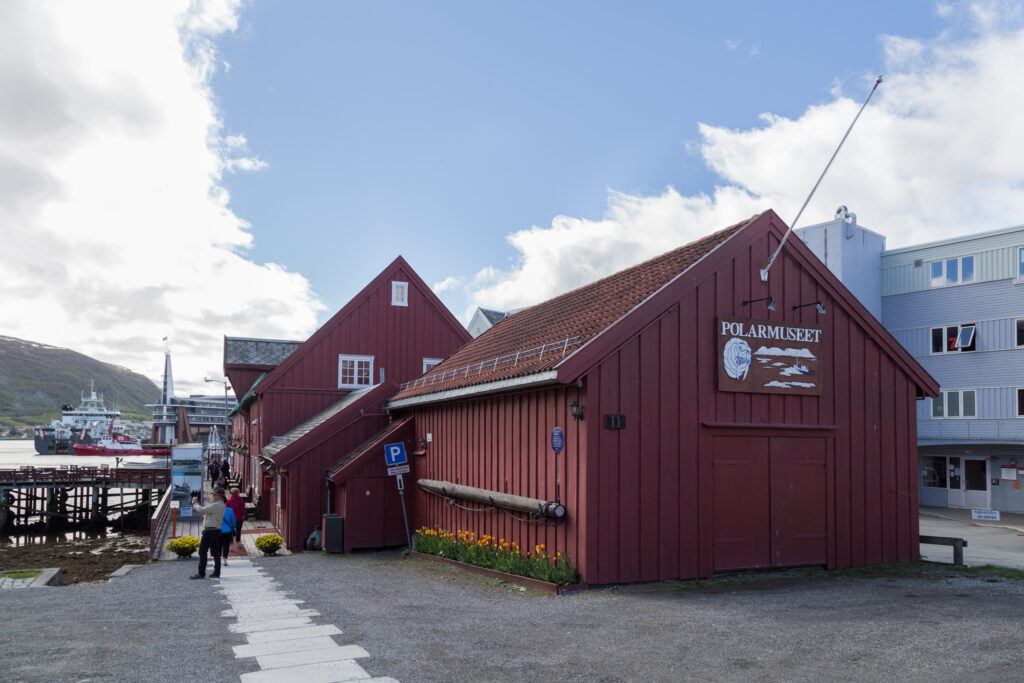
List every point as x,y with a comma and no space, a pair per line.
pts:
769,357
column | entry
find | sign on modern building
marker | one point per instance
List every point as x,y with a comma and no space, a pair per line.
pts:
769,357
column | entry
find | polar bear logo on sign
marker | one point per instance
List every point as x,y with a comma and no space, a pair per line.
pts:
736,358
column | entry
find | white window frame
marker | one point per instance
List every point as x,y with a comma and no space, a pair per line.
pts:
945,272
944,397
1020,264
431,363
956,347
356,384
1017,398
1016,323
399,293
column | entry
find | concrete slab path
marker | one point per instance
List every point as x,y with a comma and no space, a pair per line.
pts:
281,636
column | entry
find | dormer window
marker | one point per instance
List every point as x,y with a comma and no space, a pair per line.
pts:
953,271
431,363
355,372
399,293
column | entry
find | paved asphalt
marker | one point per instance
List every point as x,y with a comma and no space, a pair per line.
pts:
999,543
424,621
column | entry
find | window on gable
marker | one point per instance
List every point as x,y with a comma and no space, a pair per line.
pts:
954,338
953,271
399,293
355,372
955,404
431,363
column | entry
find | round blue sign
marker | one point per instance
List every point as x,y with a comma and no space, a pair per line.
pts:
557,439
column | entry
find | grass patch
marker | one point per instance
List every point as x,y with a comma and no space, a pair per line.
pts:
1004,572
20,573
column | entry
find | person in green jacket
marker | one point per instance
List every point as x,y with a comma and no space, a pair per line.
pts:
213,517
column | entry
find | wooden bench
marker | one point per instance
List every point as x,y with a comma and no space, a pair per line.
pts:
958,546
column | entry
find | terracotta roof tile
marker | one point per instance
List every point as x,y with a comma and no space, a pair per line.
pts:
536,339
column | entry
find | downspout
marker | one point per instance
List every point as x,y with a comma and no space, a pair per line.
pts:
327,483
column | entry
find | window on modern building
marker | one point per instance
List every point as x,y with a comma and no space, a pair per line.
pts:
399,293
933,471
956,404
354,371
431,363
1020,403
1020,263
954,338
1020,331
953,271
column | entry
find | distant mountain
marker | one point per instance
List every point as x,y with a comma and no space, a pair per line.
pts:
36,380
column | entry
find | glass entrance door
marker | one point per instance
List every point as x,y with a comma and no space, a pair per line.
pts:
956,490
976,484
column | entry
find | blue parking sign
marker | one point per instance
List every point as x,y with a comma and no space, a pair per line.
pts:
394,454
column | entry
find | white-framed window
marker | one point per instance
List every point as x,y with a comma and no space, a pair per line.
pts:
953,271
955,404
431,363
399,293
355,372
954,338
1020,264
1020,402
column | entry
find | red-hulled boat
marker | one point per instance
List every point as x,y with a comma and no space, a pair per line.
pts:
118,444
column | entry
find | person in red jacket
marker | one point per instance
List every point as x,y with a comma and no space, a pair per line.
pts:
237,506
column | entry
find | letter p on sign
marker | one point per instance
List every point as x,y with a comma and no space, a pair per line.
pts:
394,454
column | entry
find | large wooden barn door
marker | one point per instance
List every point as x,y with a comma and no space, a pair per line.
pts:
769,502
742,534
799,511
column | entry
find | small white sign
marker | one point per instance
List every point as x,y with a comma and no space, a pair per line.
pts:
401,484
990,515
175,504
401,469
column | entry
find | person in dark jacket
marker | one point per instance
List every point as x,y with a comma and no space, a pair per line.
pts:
225,468
213,469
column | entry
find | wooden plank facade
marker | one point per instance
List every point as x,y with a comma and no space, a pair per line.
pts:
395,324
699,480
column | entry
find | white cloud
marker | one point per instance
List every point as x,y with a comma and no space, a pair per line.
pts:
448,284
935,155
115,231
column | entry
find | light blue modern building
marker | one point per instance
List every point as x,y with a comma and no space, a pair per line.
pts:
957,306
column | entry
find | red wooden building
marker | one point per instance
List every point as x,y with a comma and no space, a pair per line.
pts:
722,422
325,396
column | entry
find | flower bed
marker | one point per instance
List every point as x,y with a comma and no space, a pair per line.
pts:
498,555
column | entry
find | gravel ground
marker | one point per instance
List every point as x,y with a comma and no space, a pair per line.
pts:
424,621
151,625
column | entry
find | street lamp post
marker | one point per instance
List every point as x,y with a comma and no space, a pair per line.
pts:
226,387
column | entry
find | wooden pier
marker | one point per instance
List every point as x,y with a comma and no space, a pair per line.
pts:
63,496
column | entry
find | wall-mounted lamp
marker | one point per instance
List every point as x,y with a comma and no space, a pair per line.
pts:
819,307
576,410
769,299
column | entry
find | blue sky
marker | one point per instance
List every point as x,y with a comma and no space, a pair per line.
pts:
199,168
436,129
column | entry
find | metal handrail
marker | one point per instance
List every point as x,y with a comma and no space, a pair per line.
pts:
562,345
